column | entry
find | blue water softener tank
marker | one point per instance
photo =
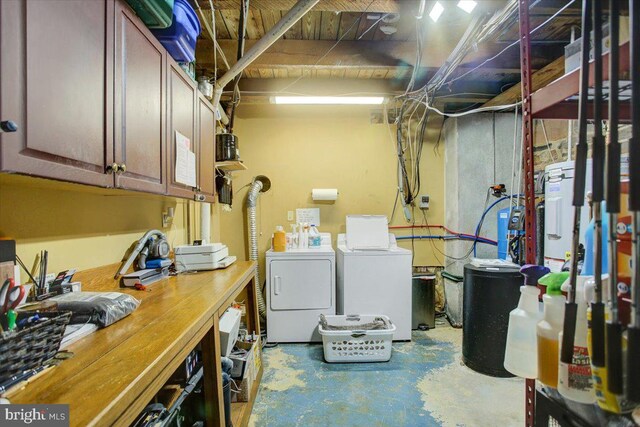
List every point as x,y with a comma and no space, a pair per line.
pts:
503,233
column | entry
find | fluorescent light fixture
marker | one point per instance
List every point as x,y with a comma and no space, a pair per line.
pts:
467,5
328,100
436,11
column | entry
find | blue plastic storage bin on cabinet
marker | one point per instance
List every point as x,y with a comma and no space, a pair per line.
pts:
180,38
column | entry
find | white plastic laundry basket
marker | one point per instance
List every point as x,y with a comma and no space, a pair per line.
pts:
356,345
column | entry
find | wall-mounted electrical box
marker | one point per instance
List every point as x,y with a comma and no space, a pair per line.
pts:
424,201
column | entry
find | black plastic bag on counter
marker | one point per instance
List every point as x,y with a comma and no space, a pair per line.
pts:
101,308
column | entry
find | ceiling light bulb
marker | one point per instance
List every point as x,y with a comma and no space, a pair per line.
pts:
467,5
328,100
436,11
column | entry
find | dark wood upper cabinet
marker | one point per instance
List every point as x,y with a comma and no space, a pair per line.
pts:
139,105
181,117
207,157
97,99
56,83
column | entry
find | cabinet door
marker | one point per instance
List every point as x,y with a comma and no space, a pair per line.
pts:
56,79
207,157
300,284
182,118
139,105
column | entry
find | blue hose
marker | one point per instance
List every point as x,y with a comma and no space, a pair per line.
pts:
486,211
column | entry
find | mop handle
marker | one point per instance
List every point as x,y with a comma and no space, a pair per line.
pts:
633,349
614,328
580,171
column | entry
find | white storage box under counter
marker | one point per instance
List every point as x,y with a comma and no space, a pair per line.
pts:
356,338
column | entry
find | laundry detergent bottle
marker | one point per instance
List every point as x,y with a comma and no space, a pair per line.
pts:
549,328
279,240
521,354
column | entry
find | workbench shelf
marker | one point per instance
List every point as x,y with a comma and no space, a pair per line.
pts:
178,314
231,165
558,100
241,411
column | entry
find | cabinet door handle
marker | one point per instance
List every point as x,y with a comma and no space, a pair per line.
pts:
277,288
122,168
112,168
8,126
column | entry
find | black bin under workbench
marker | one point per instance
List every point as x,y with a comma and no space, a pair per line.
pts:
490,293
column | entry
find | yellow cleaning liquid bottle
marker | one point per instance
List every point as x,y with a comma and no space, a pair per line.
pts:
549,328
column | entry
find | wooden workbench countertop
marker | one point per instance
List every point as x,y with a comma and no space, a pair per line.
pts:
116,368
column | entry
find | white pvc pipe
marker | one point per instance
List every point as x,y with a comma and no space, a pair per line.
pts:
278,30
205,222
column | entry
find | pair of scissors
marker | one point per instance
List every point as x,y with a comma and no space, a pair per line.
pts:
10,297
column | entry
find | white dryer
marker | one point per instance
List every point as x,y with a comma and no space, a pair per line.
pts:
376,282
301,285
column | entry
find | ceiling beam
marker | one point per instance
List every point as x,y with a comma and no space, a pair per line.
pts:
392,6
313,53
387,6
539,79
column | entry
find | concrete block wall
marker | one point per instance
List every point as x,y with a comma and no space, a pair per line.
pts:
478,153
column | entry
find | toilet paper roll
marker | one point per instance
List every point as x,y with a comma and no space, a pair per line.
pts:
324,194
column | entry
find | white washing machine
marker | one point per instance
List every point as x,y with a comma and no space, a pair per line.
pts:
301,285
376,282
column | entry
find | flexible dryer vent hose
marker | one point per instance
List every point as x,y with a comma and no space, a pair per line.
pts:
252,201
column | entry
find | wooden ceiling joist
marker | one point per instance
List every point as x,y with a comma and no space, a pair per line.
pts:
389,6
312,53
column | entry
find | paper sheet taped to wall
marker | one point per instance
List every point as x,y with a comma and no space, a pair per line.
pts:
310,215
185,161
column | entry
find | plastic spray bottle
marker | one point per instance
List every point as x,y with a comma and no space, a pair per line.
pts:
279,240
301,241
294,236
549,328
305,234
520,356
574,379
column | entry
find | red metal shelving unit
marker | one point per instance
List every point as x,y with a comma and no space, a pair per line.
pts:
551,101
529,192
557,100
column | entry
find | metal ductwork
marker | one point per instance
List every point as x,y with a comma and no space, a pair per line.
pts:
260,184
278,30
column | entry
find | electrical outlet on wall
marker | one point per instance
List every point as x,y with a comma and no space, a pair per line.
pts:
424,201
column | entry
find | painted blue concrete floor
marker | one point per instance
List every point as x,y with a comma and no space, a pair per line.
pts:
424,384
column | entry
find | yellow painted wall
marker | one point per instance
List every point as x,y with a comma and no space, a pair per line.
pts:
305,147
84,227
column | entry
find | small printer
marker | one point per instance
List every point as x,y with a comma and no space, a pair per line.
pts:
209,256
